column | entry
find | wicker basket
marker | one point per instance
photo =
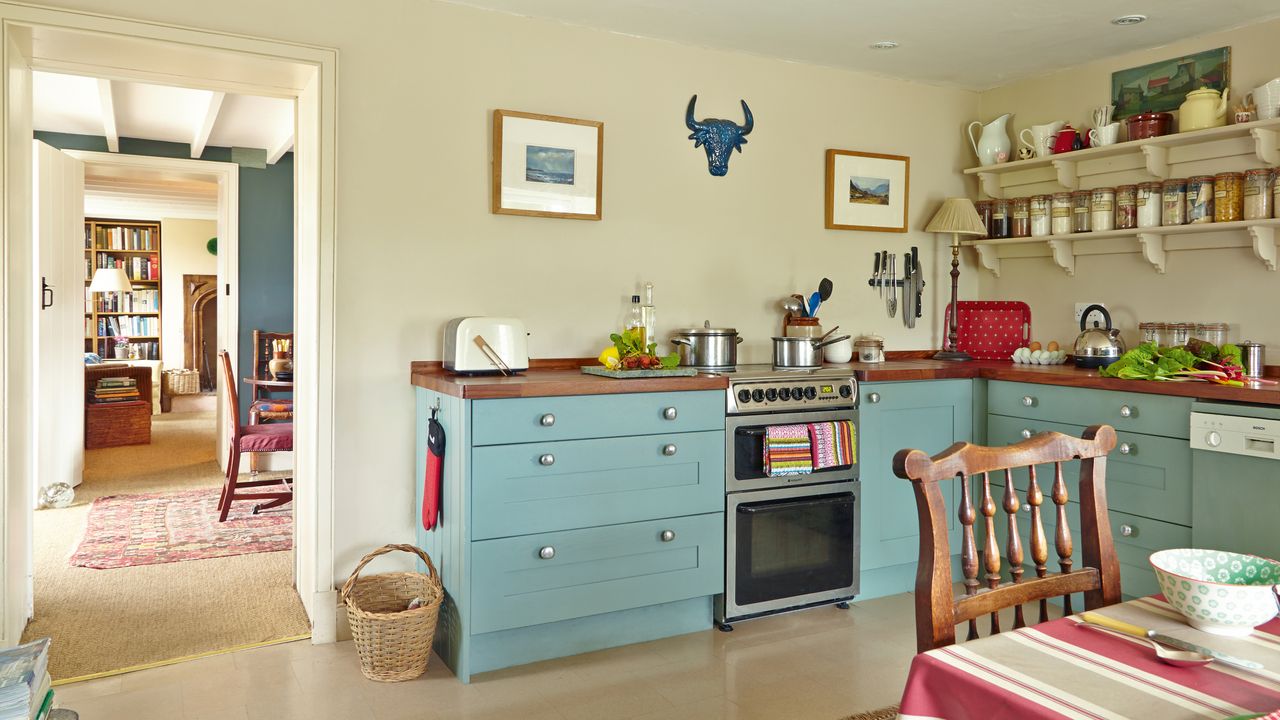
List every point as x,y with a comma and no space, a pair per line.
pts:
394,643
182,382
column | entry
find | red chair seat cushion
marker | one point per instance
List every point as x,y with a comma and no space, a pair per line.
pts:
272,405
276,437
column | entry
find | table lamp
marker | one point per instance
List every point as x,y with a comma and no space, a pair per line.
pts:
110,280
958,217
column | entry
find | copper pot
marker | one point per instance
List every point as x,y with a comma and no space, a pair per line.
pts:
1149,125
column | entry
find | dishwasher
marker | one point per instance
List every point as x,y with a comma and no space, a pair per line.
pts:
1235,478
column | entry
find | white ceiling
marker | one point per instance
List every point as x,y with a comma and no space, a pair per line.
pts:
111,191
975,45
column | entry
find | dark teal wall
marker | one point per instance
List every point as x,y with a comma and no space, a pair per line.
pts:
266,234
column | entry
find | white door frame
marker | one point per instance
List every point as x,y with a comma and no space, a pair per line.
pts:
227,175
155,52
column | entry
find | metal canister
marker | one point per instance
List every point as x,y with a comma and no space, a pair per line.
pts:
1200,199
1252,356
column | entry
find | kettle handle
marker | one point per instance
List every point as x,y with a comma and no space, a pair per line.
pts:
973,141
1085,316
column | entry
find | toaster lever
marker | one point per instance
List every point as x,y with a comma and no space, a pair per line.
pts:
491,354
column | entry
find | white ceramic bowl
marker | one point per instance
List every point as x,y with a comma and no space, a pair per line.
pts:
838,352
1220,592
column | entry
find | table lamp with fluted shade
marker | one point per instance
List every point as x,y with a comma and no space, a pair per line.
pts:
110,280
959,217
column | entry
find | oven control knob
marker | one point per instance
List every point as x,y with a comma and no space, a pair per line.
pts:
797,392
1213,439
784,393
757,395
770,394
810,392
744,395
845,391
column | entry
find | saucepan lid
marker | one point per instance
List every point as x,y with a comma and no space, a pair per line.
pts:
706,329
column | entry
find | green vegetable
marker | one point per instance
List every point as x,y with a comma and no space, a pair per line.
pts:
1195,361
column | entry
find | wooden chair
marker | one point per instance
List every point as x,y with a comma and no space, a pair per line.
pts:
264,406
272,437
937,610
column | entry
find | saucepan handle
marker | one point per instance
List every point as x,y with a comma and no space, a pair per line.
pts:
681,341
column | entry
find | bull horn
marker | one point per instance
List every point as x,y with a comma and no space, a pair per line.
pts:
751,122
692,124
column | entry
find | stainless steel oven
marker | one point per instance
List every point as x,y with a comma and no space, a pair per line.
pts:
792,542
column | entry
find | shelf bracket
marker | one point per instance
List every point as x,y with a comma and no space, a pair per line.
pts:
1266,144
1067,177
1064,255
1264,244
1153,250
989,256
991,185
1157,160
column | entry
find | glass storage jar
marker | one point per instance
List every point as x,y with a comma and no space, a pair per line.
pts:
1154,332
1020,225
1126,207
1228,197
1173,207
1200,199
1180,333
984,211
1212,333
1041,223
999,227
1061,211
1258,193
1102,209
1080,207
1149,202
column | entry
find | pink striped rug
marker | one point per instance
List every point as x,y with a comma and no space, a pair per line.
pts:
165,527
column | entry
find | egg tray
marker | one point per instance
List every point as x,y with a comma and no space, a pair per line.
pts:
1047,357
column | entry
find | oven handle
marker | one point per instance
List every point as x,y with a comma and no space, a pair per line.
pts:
770,507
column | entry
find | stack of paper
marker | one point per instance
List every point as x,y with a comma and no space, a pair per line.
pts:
24,681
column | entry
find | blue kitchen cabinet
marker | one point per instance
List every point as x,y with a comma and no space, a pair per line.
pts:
926,415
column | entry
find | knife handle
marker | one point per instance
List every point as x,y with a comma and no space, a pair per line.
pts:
1113,624
875,274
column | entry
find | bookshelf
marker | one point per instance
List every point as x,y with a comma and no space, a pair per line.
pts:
135,246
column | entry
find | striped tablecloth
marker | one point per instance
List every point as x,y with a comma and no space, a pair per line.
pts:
1059,670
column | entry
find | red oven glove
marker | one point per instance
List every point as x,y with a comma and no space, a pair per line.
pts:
434,476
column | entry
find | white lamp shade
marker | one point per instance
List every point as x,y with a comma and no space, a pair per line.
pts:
957,215
110,280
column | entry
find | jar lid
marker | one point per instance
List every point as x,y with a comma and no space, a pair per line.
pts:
1173,182
1258,171
1082,193
1201,178
1126,188
1149,184
1212,326
1062,196
869,341
1228,175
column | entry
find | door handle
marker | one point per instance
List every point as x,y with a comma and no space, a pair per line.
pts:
46,294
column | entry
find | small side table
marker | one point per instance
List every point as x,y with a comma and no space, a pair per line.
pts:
114,424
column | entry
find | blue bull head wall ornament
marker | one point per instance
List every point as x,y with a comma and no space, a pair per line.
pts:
720,137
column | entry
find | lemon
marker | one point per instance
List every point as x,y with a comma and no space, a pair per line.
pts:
609,358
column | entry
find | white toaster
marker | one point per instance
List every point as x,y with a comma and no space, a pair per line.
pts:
506,336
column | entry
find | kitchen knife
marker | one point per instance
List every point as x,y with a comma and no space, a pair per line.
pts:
909,292
892,303
915,259
1141,632
875,276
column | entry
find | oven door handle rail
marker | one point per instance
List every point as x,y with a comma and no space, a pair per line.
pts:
796,504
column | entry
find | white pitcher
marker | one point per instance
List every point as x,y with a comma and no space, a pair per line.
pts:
993,147
1042,137
1267,98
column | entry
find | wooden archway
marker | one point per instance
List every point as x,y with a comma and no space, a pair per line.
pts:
199,327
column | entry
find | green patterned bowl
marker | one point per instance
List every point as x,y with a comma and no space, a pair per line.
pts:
1225,593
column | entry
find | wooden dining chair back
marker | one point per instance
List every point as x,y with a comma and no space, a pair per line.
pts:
937,609
274,437
264,403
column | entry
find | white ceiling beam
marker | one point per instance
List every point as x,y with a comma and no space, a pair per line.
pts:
275,153
108,115
205,127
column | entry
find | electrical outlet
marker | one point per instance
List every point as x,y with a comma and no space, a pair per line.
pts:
1094,316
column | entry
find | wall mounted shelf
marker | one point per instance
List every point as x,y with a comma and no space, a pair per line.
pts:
1155,156
1154,244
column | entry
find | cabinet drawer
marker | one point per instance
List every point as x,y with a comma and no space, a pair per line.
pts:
548,486
594,570
521,420
1146,413
1152,480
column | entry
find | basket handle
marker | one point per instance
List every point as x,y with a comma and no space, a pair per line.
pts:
355,574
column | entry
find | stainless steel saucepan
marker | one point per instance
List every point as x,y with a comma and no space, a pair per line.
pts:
796,353
707,348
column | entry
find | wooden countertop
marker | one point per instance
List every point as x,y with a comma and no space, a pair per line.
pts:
546,378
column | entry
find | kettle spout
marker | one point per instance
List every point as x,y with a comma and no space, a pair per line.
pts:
1222,104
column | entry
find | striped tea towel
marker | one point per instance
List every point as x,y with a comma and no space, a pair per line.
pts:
787,450
833,443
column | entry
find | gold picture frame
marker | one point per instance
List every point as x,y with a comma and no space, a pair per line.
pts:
547,166
867,191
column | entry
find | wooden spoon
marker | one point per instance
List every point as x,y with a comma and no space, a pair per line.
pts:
1177,658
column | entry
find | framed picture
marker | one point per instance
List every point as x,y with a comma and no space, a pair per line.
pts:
546,166
867,191
1163,86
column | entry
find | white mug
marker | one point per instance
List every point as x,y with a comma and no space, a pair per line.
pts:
1105,135
1042,137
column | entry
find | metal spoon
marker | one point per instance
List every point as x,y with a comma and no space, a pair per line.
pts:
1177,658
792,306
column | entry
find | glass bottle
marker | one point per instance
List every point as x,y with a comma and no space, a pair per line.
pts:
635,320
648,315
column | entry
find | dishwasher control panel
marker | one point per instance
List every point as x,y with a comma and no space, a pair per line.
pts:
1236,435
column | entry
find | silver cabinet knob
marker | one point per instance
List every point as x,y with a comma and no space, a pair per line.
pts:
667,535
668,450
1126,411
873,398
1128,448
547,420
547,553
1028,401
547,459
1026,434
1128,531
669,414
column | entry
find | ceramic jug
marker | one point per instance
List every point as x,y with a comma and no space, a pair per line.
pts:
1042,137
1204,108
993,146
1267,98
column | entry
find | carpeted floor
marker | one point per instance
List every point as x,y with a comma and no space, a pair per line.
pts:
102,620
884,713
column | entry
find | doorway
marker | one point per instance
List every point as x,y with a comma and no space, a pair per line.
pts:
45,38
200,327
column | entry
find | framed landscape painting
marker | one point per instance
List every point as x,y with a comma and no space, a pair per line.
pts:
867,191
546,166
1163,86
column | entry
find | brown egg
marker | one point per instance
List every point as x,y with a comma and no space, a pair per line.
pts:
1034,346
1053,346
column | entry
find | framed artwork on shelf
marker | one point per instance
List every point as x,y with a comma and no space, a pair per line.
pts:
867,191
1163,86
547,166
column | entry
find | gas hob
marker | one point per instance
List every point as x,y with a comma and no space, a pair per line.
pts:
761,388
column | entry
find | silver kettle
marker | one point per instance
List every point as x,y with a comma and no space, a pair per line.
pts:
1097,347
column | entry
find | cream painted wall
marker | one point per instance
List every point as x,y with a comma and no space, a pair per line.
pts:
183,252
417,245
1204,285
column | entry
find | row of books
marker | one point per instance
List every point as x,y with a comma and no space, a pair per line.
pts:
126,325
25,692
122,238
146,350
136,267
114,390
136,301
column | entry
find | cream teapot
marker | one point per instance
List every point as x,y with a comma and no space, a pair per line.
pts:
1204,108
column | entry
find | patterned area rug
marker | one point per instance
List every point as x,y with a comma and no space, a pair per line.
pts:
154,528
884,713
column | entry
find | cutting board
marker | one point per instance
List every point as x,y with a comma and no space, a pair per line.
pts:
633,374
